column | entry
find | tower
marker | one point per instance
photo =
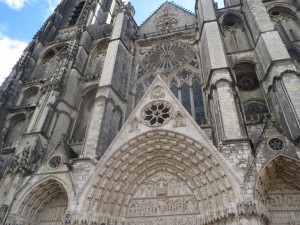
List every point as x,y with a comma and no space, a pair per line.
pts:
189,118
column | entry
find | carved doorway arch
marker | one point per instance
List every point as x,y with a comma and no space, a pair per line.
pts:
159,178
278,188
45,204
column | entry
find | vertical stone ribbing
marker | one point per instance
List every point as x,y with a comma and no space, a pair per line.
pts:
275,60
113,82
215,70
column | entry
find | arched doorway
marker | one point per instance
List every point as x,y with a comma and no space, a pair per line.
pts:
278,188
45,204
159,178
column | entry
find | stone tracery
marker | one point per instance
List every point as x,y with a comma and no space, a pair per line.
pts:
179,65
286,22
167,57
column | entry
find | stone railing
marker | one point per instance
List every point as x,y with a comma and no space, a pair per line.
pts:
186,27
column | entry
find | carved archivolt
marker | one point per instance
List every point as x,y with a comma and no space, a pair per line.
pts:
161,177
278,188
46,203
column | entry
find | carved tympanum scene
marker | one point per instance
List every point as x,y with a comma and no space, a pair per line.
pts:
189,118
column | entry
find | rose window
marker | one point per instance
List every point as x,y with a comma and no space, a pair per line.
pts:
54,162
167,57
166,23
157,113
276,144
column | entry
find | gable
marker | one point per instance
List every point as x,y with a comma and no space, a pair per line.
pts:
168,16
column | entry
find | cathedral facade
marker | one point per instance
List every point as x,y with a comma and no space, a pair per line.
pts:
192,118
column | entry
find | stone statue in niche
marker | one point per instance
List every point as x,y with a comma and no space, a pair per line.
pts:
179,119
134,125
158,93
162,187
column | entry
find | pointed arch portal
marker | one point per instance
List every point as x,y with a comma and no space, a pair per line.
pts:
45,204
278,188
160,177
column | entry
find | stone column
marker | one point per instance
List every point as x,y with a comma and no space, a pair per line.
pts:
280,79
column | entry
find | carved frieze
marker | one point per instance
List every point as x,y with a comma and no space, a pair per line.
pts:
163,194
186,220
158,93
163,206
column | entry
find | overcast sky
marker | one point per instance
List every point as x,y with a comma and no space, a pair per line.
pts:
21,19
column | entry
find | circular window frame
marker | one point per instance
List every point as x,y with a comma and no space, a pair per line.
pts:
156,103
167,57
275,150
52,159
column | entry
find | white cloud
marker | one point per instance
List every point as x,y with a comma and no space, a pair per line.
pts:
10,52
15,4
52,5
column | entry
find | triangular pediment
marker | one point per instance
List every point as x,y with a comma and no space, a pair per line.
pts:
167,17
159,158
273,142
159,109
59,159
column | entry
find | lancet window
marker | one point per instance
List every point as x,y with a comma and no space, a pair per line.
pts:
29,96
76,13
235,34
250,93
49,62
14,129
178,63
83,117
96,61
286,22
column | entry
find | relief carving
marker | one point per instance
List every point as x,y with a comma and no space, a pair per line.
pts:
134,125
163,206
163,194
186,220
283,203
158,93
179,119
162,184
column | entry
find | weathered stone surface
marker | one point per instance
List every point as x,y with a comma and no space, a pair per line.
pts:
189,119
